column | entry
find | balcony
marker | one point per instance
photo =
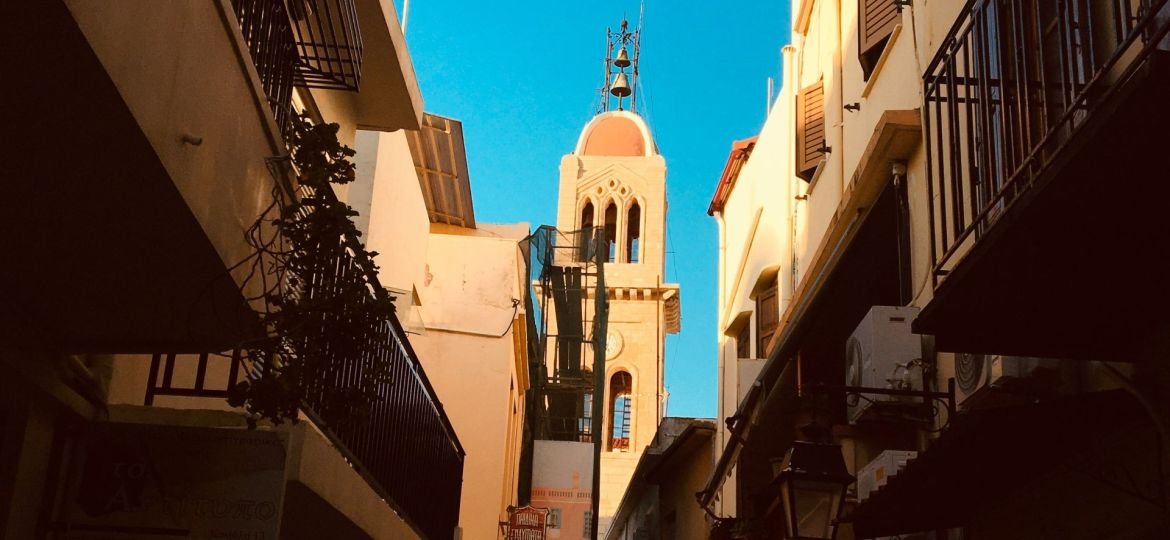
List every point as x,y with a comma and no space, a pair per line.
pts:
1042,123
398,439
142,141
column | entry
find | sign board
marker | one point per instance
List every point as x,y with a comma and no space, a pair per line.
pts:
142,481
527,523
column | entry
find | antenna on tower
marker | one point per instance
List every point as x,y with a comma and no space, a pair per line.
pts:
622,49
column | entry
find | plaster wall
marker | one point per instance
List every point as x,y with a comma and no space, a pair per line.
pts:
561,481
392,212
470,358
677,508
163,80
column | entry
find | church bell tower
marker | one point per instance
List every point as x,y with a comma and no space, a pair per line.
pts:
615,181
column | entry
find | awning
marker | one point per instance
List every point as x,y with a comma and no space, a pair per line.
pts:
988,454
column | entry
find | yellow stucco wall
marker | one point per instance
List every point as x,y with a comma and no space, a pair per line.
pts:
470,358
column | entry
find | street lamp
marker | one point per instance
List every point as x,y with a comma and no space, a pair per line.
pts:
812,481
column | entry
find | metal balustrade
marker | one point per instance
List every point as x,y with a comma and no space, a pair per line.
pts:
1011,84
268,32
399,438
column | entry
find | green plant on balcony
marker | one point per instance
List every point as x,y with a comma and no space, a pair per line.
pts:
325,310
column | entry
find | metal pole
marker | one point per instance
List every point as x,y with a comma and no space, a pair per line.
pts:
600,327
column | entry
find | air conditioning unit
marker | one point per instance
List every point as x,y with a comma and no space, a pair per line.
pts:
876,473
883,353
985,381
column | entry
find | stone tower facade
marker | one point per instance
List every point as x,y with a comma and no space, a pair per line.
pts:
615,179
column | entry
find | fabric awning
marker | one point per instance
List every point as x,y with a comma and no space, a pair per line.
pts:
986,454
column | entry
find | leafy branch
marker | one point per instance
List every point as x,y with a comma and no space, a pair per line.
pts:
324,308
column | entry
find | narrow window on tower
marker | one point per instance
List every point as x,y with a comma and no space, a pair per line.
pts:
620,409
611,231
634,232
585,242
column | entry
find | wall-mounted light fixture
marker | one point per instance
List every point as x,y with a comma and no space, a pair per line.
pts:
812,480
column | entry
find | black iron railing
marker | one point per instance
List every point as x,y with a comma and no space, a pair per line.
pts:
1010,85
399,437
268,32
329,42
402,439
310,43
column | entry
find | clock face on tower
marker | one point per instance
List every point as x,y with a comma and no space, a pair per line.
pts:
613,344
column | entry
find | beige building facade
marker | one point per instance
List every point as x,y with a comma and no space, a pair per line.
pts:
460,288
885,175
659,501
475,353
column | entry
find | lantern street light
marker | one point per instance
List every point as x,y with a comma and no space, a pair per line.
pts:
812,481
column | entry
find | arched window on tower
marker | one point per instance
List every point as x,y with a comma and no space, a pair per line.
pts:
585,238
611,231
634,233
620,385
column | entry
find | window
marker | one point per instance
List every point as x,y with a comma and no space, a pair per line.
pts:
633,232
587,530
767,317
586,239
585,420
877,21
743,342
619,390
810,129
554,518
611,231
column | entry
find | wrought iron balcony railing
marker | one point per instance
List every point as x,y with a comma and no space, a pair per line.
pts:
310,43
398,437
268,33
1011,84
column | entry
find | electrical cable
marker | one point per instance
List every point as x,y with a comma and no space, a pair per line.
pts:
515,310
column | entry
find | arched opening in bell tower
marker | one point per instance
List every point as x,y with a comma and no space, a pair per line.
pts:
634,233
585,237
620,387
611,231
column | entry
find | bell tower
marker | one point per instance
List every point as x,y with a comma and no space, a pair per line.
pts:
615,180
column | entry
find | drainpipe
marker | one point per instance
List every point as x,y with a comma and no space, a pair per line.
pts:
788,286
839,92
721,339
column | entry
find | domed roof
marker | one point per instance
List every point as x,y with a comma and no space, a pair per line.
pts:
616,133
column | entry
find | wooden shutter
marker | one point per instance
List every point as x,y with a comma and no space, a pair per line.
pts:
743,342
877,21
810,129
767,318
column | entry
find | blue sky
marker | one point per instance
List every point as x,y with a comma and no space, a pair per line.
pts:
523,78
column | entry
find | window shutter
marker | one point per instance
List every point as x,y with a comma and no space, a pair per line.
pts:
743,342
767,318
810,129
877,21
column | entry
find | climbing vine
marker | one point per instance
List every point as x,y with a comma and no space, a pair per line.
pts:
324,309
